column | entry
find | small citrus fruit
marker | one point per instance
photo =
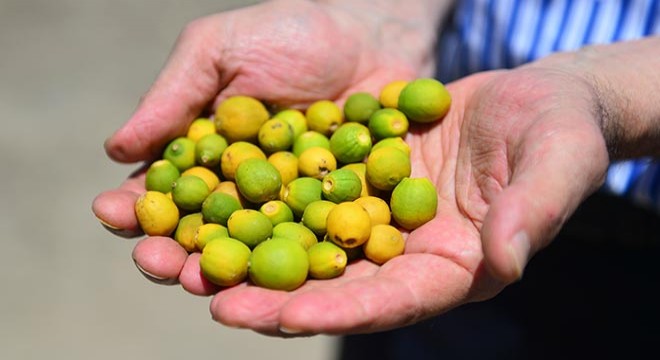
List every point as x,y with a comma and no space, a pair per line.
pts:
348,225
160,176
224,261
238,118
326,260
359,106
249,226
385,243
279,264
414,202
156,213
424,100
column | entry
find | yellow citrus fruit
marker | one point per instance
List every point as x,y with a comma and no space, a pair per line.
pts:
160,176
189,192
156,213
238,118
350,143
277,211
386,167
295,231
208,150
424,100
236,153
275,135
359,106
326,260
316,162
348,225
249,226
286,163
218,207
385,243
389,94
309,139
181,153
295,118
378,209
396,142
324,116
199,128
315,215
208,232
386,123
187,229
414,202
279,264
258,180
209,177
224,261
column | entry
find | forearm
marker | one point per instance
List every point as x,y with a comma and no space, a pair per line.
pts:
402,29
626,81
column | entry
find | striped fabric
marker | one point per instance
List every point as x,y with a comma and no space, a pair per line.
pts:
492,34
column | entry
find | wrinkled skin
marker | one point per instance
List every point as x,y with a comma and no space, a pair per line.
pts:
511,161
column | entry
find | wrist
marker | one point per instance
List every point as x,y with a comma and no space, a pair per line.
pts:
624,78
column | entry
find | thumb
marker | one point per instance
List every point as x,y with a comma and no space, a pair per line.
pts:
186,85
549,179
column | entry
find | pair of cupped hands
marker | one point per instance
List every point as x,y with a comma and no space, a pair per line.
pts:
516,154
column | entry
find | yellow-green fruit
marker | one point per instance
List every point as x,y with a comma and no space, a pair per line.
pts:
300,192
209,149
160,176
378,209
156,213
295,231
181,153
348,225
315,215
189,192
199,128
309,139
424,100
258,180
316,162
350,143
386,123
389,94
326,260
341,185
385,243
238,118
218,207
209,177
224,261
229,187
386,167
275,135
187,229
414,202
360,169
396,142
235,154
277,211
359,107
279,264
295,118
249,226
208,232
286,163
324,116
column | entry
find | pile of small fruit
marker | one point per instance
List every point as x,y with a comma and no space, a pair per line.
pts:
280,198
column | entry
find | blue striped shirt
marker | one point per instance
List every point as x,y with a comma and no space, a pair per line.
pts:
494,34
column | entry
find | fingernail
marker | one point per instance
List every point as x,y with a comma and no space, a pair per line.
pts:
154,278
519,248
289,331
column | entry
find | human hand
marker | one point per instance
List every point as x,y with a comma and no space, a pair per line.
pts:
513,158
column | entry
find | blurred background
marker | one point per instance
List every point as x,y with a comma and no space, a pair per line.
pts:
71,72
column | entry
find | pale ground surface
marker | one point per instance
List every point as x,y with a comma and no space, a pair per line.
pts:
71,71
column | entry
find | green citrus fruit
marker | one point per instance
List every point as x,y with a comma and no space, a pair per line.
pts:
326,260
359,107
424,100
414,202
160,176
279,264
224,261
